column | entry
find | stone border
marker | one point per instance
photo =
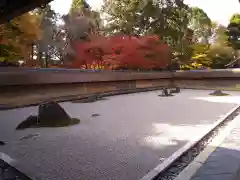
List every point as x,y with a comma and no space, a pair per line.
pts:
166,163
198,162
76,97
7,168
28,76
99,94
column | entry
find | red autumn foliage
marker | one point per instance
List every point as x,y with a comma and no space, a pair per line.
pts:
122,52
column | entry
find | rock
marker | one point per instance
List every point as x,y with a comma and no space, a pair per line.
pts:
165,93
96,115
31,121
2,143
219,93
176,90
52,114
92,99
173,170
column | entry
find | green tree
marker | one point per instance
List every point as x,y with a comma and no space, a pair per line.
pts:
220,56
200,23
122,16
167,19
219,35
216,56
139,17
48,25
233,31
78,4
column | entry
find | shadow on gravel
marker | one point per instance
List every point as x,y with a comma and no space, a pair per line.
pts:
89,100
169,95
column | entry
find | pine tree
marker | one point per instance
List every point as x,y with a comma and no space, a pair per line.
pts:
168,19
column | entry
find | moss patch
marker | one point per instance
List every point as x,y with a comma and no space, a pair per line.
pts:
50,114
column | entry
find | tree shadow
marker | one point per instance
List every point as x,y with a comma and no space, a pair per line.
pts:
169,95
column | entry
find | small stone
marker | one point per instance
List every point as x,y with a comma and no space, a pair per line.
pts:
166,93
187,157
96,115
173,170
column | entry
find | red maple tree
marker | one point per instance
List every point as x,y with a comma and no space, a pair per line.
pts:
122,52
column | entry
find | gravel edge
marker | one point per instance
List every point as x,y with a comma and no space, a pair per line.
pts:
175,164
198,162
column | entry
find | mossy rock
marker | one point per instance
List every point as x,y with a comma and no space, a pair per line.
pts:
50,114
166,93
31,121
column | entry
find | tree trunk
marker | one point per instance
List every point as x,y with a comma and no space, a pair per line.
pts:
40,59
32,52
46,60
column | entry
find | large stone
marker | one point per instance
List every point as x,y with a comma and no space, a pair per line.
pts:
219,93
31,121
52,114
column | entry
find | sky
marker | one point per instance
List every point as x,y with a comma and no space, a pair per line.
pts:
218,10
